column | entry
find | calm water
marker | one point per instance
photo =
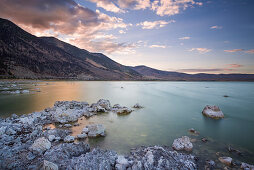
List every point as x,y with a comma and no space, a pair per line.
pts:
171,108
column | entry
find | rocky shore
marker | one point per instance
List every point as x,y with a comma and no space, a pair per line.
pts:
26,143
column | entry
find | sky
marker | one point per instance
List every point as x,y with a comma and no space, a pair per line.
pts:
191,36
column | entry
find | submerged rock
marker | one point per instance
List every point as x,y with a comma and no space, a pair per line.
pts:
182,143
40,145
138,106
95,130
213,112
226,160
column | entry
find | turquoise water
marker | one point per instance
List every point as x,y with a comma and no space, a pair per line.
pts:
170,109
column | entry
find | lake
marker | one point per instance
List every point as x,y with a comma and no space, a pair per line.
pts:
170,109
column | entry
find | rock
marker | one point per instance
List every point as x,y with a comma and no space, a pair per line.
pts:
2,130
123,111
51,137
193,131
182,143
137,106
121,163
225,96
25,91
225,160
104,104
40,145
246,166
210,164
97,108
69,139
14,116
67,125
61,133
95,130
76,124
10,131
96,159
85,130
46,165
30,156
204,140
213,112
82,136
63,153
162,158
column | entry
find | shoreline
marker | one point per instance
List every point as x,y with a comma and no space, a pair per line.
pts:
19,135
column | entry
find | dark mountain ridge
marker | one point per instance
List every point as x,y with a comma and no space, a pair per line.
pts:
23,55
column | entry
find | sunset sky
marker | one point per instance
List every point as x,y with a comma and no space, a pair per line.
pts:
191,36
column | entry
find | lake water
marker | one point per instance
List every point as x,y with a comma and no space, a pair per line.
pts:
170,109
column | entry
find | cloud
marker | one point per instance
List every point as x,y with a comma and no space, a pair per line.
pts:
154,24
250,51
108,5
201,50
157,46
172,7
215,27
66,20
184,38
134,4
122,32
235,65
194,70
234,50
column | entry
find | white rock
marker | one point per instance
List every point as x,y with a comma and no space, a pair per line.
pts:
104,104
69,139
51,137
121,163
68,125
41,145
213,112
85,130
82,136
225,160
2,130
182,143
25,91
246,166
46,165
96,130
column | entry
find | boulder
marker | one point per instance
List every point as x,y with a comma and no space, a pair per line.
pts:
226,160
95,130
246,166
51,138
69,139
138,106
40,145
82,136
104,104
46,165
182,143
123,111
85,130
213,112
121,163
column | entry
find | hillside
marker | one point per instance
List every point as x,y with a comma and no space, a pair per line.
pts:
23,55
154,74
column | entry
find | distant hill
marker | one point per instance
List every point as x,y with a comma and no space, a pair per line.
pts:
23,55
153,74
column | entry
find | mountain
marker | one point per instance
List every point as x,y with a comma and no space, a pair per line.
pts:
23,55
154,74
